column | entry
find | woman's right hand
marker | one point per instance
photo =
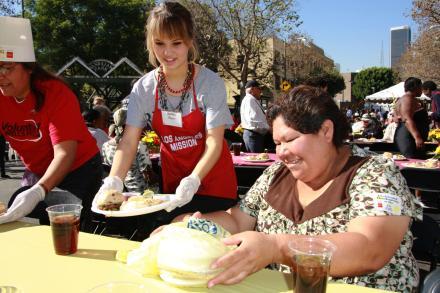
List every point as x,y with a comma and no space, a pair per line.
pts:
23,204
110,183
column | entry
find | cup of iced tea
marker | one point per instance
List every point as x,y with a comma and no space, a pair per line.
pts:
311,259
236,148
64,221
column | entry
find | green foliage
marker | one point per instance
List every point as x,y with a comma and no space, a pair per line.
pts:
371,80
335,82
92,29
333,79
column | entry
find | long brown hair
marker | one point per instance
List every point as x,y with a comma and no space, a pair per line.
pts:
171,19
38,74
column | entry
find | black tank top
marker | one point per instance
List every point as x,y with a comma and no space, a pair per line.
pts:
421,120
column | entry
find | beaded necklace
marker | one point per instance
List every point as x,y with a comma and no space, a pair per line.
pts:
163,87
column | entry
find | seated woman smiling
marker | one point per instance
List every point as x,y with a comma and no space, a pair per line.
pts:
321,188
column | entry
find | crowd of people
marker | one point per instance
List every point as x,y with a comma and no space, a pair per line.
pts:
320,187
406,124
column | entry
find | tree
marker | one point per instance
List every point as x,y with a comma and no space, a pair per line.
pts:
93,29
334,80
422,59
426,12
248,24
212,42
371,80
9,7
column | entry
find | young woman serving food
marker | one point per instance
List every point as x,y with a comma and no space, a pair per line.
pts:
185,104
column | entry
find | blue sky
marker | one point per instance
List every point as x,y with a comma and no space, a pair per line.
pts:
351,31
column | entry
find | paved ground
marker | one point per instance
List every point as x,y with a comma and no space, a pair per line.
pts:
14,169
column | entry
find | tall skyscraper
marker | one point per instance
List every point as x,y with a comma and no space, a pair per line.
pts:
400,41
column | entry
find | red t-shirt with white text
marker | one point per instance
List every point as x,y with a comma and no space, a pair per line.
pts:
33,134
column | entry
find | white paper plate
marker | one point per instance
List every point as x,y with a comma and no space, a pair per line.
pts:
399,158
246,159
135,212
416,166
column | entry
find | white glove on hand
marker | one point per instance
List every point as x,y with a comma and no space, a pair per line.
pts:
185,191
24,203
110,182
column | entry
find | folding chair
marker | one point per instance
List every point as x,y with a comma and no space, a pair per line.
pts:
426,245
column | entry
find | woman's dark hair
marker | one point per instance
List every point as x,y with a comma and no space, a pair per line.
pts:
429,85
412,84
305,108
37,75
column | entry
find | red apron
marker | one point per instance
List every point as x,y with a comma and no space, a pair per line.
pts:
181,149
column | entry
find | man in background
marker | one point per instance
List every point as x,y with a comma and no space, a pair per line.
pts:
429,88
91,118
253,118
100,106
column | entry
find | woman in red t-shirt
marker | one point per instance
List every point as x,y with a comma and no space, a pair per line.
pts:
40,118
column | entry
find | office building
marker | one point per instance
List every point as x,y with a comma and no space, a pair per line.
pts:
400,41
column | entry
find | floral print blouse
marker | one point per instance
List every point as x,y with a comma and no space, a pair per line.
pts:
377,188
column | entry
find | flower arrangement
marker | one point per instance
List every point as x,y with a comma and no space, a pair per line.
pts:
434,134
152,140
437,153
239,129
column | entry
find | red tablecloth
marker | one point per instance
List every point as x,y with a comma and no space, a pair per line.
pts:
401,164
241,160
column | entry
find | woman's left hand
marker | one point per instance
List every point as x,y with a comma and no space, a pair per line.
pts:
185,191
251,256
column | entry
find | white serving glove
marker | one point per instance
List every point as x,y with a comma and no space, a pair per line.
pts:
110,182
185,191
24,204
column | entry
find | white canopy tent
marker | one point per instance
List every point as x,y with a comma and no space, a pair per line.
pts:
391,93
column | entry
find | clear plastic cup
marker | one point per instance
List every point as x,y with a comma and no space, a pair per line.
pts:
236,148
64,221
311,259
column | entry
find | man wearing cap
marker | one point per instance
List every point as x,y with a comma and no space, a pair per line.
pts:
253,118
40,117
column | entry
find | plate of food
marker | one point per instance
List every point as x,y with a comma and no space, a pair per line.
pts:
427,164
112,203
399,157
394,157
263,157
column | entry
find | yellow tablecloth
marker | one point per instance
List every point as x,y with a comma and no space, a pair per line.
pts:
28,262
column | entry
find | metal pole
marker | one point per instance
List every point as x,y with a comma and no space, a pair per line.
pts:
285,60
22,8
